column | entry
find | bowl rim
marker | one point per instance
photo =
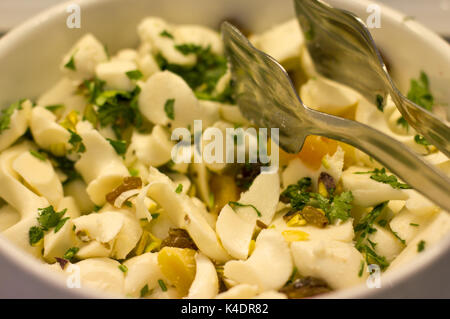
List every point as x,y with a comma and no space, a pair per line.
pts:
29,264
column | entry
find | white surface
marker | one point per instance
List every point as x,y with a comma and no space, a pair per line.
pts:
435,14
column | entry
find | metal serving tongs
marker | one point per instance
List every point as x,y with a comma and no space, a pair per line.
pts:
266,96
343,50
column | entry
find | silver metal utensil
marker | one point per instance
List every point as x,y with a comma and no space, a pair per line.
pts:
343,50
266,96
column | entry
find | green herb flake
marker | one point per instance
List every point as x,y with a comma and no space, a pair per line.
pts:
144,291
363,229
123,268
5,117
49,218
119,146
233,205
55,107
61,224
419,139
382,222
381,176
77,142
134,74
300,195
133,171
380,102
169,108
204,75
97,208
399,238
179,189
35,234
162,285
361,268
421,246
414,225
419,92
155,215
70,253
38,155
71,63
166,34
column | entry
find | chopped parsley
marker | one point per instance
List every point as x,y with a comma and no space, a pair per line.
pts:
155,215
35,234
415,225
49,218
179,189
169,108
115,107
380,103
162,285
38,155
380,175
402,122
363,229
119,146
300,195
233,205
123,268
419,139
134,74
166,34
77,142
420,94
144,291
61,224
71,63
55,107
421,246
70,253
5,117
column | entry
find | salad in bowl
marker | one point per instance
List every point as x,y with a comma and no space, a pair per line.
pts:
98,182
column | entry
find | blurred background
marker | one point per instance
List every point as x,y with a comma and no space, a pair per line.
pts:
433,13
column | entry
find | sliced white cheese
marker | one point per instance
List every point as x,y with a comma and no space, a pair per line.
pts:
283,42
152,29
328,96
243,291
142,270
46,132
114,74
235,233
103,274
206,282
152,149
100,166
40,175
17,127
368,192
84,56
335,262
271,256
262,194
8,217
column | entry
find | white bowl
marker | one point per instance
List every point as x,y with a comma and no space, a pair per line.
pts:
29,59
